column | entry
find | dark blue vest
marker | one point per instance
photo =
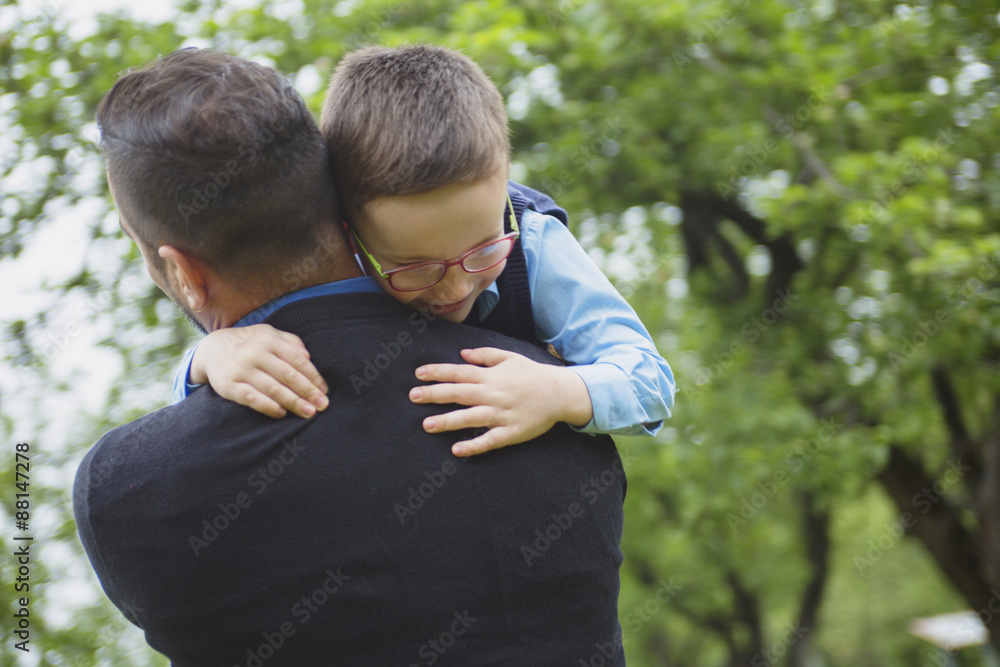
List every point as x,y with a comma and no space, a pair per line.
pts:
512,315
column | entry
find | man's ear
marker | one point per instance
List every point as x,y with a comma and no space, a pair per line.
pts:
187,275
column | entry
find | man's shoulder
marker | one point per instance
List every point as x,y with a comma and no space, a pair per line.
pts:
144,443
111,449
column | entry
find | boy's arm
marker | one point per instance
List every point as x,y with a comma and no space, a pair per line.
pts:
622,384
579,312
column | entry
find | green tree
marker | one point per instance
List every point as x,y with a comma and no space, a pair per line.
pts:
799,199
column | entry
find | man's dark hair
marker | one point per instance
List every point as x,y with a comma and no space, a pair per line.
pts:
219,157
409,119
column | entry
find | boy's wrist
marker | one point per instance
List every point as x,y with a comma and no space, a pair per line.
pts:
576,407
196,373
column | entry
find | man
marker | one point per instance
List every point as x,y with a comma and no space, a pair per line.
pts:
354,537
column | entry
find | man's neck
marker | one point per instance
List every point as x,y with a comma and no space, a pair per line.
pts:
330,262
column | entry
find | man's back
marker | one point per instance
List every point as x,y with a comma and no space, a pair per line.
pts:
355,538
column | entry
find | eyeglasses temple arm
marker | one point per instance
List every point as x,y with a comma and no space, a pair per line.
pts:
513,218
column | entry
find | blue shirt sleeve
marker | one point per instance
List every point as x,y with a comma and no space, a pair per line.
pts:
181,388
579,312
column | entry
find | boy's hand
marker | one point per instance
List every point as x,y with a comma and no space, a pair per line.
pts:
261,367
516,398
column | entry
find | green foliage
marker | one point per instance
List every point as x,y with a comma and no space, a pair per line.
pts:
861,140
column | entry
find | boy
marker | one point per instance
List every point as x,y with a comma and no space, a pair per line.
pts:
419,142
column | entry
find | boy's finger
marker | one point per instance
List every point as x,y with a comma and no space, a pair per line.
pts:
252,398
495,438
475,417
461,393
298,384
449,373
304,366
294,340
487,356
285,398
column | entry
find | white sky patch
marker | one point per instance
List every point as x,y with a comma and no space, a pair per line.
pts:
80,16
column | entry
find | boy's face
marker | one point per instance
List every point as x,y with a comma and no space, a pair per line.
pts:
440,224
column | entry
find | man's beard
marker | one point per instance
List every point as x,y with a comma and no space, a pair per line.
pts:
190,317
187,312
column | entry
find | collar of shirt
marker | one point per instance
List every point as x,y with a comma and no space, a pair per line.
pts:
351,285
487,301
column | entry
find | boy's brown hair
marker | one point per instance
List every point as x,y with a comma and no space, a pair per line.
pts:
404,120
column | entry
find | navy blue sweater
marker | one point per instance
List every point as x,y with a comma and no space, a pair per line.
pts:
355,538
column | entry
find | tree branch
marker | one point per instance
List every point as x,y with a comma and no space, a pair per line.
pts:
962,444
816,526
802,143
700,229
748,612
785,261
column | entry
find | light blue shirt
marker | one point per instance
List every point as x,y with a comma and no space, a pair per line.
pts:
578,311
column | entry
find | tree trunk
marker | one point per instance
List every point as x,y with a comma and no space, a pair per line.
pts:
936,523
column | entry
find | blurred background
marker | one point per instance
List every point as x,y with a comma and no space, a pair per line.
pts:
799,198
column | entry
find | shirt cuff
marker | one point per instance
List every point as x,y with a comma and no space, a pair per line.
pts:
607,384
182,388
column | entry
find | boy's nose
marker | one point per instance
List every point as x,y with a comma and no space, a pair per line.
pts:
455,286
